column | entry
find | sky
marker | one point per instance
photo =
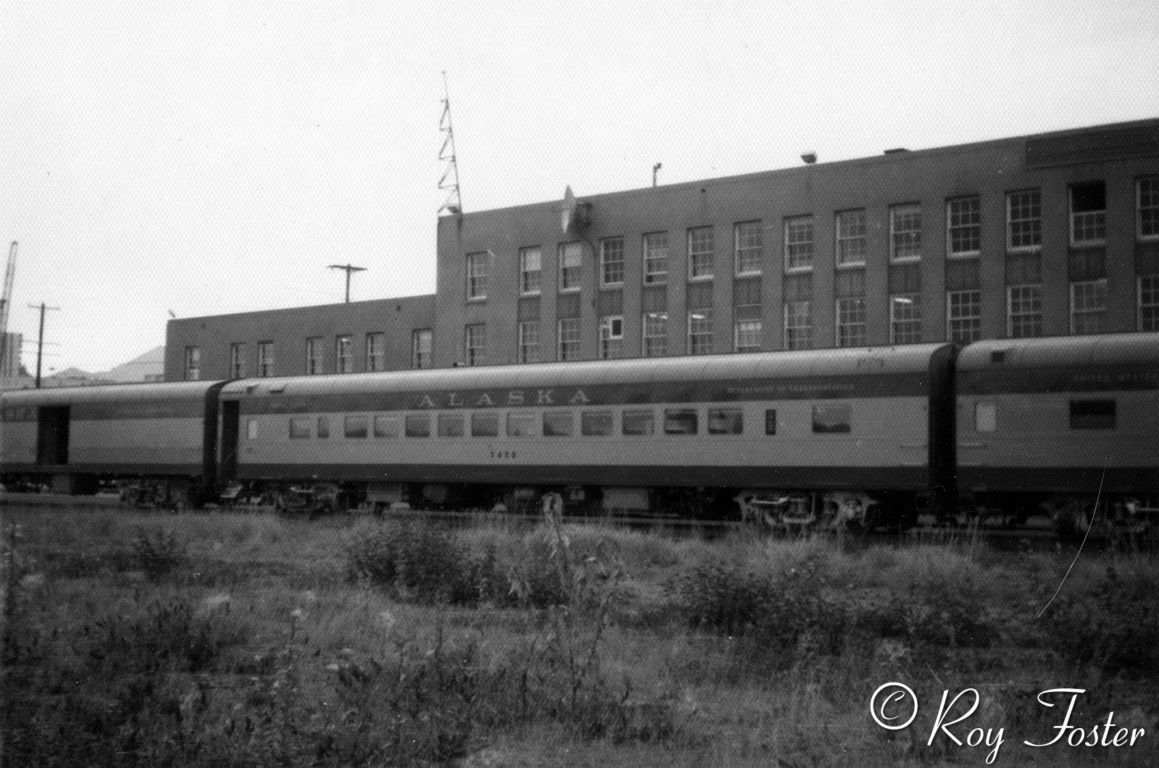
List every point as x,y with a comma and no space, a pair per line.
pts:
214,157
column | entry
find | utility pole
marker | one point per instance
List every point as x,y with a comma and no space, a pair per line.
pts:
40,338
348,268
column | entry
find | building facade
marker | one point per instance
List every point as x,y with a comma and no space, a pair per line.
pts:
1043,235
380,335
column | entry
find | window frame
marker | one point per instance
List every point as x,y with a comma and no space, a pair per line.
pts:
791,331
1023,317
570,278
750,226
790,224
478,269
1033,222
474,344
1142,321
344,353
193,363
525,286
695,276
237,360
314,356
914,302
574,339
858,306
756,326
1087,312
1151,210
698,339
842,239
974,224
417,354
265,359
975,318
528,348
650,341
609,334
611,247
375,351
908,211
652,246
1098,216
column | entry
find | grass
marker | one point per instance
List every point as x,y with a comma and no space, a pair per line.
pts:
133,638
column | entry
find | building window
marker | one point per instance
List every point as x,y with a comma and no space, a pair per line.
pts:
964,226
700,331
655,258
655,334
265,358
798,325
237,361
749,237
905,318
570,257
964,316
1088,306
611,338
529,341
475,344
612,261
905,233
530,270
851,322
799,243
192,363
1147,208
1088,214
376,352
851,237
421,343
747,336
477,266
1024,311
313,356
1024,220
1149,303
344,354
700,253
569,338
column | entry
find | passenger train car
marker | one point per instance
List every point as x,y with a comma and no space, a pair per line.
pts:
851,436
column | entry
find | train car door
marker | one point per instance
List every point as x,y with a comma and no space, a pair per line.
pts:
52,435
230,418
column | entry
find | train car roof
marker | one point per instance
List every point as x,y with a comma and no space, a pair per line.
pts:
1061,352
119,393
828,362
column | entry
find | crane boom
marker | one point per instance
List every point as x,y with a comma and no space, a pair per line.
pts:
6,302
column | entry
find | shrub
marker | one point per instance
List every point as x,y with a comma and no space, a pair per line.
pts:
1115,626
158,554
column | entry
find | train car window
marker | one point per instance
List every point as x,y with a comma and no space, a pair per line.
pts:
770,421
639,423
251,429
1092,414
450,425
832,419
301,429
558,423
386,426
484,424
725,421
323,427
521,425
985,417
680,421
596,423
418,425
356,426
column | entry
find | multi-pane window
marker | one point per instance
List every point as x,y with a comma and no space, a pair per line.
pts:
700,253
313,356
529,341
905,233
1088,306
747,336
798,325
570,256
851,237
237,361
475,344
1149,303
344,354
749,239
964,226
611,337
612,261
477,267
421,343
530,270
1024,220
1147,208
265,358
655,258
851,322
655,334
964,316
192,363
799,243
1088,213
1024,311
699,331
376,352
905,318
569,338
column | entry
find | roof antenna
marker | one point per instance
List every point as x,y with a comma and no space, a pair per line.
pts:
450,179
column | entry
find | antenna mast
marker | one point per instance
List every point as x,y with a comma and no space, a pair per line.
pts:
450,178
